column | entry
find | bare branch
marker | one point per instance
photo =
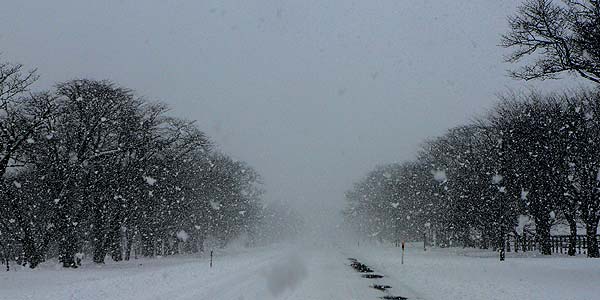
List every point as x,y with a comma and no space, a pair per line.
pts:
564,37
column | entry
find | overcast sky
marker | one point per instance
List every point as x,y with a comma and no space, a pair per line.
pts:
311,93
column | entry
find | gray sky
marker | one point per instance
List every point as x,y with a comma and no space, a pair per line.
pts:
311,93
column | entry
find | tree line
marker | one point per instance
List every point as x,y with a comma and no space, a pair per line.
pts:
89,167
534,155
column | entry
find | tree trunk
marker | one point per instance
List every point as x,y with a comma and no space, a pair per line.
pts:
484,240
67,228
130,237
200,242
99,237
99,253
572,236
116,250
31,255
67,248
542,230
147,244
591,228
5,257
30,252
500,239
466,237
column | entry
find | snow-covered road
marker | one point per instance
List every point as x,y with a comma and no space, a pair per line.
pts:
267,273
297,272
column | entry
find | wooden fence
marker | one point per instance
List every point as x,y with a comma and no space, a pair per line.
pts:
559,243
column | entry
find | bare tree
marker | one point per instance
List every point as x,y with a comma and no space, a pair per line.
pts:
562,36
18,121
13,82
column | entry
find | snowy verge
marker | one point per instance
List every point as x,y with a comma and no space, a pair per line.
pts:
477,274
144,278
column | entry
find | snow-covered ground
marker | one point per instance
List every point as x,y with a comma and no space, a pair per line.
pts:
477,274
295,271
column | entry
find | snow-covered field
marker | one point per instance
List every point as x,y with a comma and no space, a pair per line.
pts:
294,271
477,274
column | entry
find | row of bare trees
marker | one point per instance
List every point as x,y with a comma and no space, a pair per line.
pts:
534,154
91,168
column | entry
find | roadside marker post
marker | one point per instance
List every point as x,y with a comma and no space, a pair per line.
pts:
402,260
211,257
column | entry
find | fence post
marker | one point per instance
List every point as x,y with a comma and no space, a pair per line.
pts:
211,258
559,242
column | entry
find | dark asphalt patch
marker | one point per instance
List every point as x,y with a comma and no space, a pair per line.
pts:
360,267
372,276
381,287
